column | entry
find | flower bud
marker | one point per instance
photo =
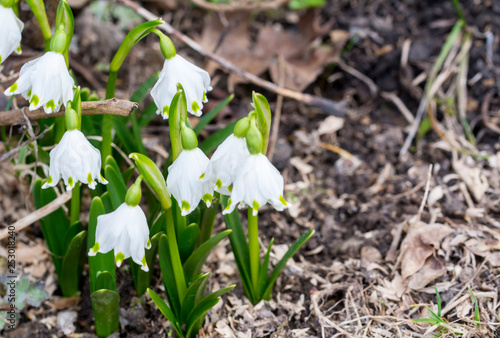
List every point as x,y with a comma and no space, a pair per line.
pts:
71,117
167,47
58,41
254,139
241,128
134,194
188,137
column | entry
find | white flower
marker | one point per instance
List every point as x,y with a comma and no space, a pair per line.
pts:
44,82
126,231
10,30
226,163
194,80
74,159
184,183
258,182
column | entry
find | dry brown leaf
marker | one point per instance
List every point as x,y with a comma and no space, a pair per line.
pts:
330,125
419,245
431,270
473,177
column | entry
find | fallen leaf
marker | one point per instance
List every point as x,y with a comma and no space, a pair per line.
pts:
431,270
330,125
473,178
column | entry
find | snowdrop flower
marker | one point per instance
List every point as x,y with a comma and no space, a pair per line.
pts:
184,183
257,183
126,231
44,82
226,163
10,28
194,80
74,159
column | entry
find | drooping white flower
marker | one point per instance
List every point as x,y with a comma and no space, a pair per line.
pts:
258,183
126,231
226,163
10,33
194,80
74,159
184,183
44,82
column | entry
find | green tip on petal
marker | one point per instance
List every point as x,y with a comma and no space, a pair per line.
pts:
0,59
143,261
95,248
185,206
204,96
255,205
119,258
282,200
50,180
18,50
207,198
218,184
50,105
70,181
148,244
90,180
13,88
34,99
166,110
195,106
230,188
202,176
29,93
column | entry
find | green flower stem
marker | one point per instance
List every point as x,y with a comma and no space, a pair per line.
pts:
253,246
75,203
180,281
107,119
180,221
208,220
38,8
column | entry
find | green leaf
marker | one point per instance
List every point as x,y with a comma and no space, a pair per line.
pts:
124,134
132,38
476,307
73,230
147,115
72,265
193,265
282,263
127,174
143,279
54,225
38,9
177,114
263,117
188,240
105,281
100,262
167,312
438,300
64,16
239,246
167,273
141,92
153,177
159,225
106,200
211,114
424,320
106,308
263,269
214,140
197,316
302,4
191,297
117,188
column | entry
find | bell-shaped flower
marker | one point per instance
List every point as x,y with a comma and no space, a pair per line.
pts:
45,82
226,163
258,183
184,183
194,80
74,159
126,231
10,33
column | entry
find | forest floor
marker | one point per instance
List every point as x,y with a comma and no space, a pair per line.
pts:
393,221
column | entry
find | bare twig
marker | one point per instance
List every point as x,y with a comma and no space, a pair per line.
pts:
111,106
277,113
17,149
250,6
36,215
330,107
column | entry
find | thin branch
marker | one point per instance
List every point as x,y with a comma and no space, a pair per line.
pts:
251,6
111,106
330,107
36,215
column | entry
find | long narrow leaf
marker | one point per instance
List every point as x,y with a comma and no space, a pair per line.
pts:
282,263
167,273
167,312
263,270
189,301
214,140
72,265
211,114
